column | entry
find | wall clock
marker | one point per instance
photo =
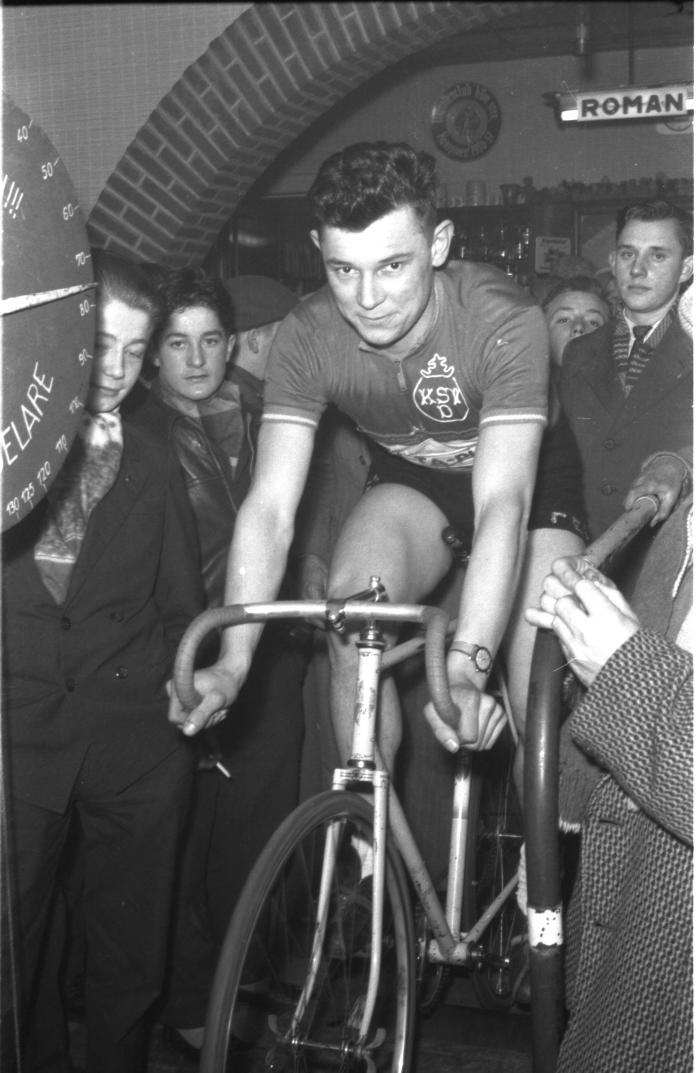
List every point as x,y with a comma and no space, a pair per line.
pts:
48,314
465,121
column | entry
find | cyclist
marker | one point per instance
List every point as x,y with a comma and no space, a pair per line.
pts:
445,369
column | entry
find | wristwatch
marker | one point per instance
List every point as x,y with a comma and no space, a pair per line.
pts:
478,654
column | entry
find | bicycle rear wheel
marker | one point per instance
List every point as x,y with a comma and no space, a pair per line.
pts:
493,859
255,1020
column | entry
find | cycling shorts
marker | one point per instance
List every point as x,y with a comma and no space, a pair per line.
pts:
557,501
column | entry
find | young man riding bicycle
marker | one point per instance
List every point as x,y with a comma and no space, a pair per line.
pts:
445,369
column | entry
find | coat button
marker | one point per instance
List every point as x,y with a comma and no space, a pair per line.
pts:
608,444
121,672
116,616
70,684
66,623
607,489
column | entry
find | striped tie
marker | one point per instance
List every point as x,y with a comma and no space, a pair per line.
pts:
639,355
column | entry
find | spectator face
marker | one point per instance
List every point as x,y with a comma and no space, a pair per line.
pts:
649,266
192,356
382,277
571,314
120,344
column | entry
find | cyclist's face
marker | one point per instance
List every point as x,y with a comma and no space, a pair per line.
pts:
382,277
571,314
192,355
649,267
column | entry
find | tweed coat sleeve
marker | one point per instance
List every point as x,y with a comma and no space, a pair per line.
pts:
636,722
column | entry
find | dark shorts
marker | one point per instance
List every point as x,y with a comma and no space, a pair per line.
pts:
557,501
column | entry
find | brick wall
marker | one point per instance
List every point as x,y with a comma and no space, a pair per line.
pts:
258,86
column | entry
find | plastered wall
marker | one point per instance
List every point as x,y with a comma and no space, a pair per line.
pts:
531,142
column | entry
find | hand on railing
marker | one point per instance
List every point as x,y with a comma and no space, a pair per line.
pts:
664,476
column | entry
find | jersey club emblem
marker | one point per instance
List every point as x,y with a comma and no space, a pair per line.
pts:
437,395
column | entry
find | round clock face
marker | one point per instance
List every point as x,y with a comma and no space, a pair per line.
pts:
466,121
48,314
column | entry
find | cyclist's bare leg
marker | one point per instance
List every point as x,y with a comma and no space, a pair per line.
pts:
394,532
543,547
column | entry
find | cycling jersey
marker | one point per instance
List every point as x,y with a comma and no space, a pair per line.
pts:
484,360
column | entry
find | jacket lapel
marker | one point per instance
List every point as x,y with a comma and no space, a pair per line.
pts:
108,517
671,361
593,367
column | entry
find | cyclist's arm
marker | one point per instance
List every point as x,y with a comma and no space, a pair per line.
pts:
257,560
503,482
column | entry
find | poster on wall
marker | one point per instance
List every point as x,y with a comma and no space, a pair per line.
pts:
547,249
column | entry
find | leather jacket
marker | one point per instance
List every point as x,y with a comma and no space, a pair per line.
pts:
214,490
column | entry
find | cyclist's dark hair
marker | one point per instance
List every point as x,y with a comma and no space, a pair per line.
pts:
587,284
182,288
363,182
126,281
658,209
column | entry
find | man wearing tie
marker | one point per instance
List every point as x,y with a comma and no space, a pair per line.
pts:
627,387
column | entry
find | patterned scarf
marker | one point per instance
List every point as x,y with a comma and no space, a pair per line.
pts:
632,356
87,475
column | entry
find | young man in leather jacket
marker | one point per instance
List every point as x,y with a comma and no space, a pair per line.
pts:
208,357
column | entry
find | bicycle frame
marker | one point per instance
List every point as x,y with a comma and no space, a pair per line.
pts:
366,767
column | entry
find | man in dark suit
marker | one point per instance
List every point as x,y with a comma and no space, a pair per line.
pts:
99,583
627,388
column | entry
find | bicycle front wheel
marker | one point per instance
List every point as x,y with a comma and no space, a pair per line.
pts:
290,987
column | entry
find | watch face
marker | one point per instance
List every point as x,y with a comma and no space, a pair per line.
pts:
466,121
482,659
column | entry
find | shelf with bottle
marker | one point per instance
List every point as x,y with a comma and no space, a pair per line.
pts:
497,237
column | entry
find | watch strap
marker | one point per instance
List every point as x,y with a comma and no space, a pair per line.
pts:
470,650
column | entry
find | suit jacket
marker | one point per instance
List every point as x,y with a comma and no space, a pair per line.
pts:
615,434
631,919
90,673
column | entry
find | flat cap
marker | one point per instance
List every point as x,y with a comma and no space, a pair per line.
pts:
258,300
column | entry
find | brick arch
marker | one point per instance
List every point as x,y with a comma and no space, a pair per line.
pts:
260,84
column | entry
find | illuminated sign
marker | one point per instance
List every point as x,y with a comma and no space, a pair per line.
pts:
629,102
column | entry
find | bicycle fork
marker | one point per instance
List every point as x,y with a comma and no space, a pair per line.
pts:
361,769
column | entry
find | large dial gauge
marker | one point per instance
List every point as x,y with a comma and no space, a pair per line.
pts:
48,314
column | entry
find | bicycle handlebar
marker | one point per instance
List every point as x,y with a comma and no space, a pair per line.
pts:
435,621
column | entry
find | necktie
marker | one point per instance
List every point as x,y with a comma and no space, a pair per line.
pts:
639,355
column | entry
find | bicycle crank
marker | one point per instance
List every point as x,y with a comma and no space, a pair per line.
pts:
479,957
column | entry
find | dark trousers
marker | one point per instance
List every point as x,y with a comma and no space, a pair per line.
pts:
130,842
232,819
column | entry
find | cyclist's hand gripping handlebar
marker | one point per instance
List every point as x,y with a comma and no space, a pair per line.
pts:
436,623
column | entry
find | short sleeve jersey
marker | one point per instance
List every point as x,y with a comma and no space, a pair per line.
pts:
484,361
